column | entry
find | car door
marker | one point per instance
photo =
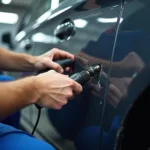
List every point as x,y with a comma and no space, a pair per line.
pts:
132,50
97,33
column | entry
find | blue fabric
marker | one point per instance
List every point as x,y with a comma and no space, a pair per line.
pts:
89,138
4,78
11,138
14,119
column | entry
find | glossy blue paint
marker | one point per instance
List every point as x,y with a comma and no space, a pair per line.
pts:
93,43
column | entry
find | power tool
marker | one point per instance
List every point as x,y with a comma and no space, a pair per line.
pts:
81,77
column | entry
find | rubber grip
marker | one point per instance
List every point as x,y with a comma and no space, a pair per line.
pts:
63,63
81,77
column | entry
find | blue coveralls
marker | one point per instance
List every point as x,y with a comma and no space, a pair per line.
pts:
12,138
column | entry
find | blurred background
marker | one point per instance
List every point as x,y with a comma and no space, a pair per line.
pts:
12,20
12,11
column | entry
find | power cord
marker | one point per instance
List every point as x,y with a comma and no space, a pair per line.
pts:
37,120
64,63
81,77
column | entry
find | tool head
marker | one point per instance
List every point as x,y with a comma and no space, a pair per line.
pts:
95,70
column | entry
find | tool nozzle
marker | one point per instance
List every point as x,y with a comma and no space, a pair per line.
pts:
94,70
97,68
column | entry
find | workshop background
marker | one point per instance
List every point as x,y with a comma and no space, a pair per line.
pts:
11,14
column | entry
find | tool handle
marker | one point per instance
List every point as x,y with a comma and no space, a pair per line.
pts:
63,63
81,77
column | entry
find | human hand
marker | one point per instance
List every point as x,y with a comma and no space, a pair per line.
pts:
54,89
47,60
132,62
117,89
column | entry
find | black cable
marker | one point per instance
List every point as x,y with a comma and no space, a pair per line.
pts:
37,121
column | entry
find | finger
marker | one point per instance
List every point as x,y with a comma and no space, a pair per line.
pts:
113,99
127,81
62,102
111,102
65,94
124,94
51,71
99,95
54,66
60,54
114,91
96,88
58,104
77,88
114,95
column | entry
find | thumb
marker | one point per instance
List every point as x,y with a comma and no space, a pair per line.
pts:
55,66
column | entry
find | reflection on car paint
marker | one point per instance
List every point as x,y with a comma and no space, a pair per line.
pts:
80,119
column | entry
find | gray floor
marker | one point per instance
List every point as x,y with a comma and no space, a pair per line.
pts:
28,119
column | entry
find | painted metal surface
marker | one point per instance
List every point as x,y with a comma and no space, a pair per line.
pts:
114,33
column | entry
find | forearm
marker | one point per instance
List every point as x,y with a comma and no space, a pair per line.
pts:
15,95
10,61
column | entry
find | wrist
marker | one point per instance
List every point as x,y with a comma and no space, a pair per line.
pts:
32,62
35,86
35,61
31,90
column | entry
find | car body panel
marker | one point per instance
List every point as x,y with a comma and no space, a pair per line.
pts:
123,55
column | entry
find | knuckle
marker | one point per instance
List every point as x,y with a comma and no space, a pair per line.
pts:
54,49
71,82
52,71
58,107
57,67
63,103
132,53
113,91
80,89
69,94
